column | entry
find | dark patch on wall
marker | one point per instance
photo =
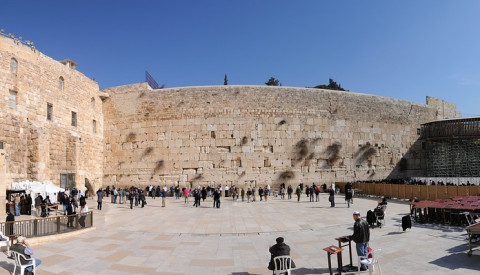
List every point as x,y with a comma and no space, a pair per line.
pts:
333,153
287,175
244,140
198,177
242,174
147,152
131,137
301,149
158,166
142,94
364,153
315,140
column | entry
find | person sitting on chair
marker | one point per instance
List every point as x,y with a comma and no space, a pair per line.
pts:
383,202
24,248
279,249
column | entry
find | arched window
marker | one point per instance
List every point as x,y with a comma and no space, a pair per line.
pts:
61,82
92,102
13,65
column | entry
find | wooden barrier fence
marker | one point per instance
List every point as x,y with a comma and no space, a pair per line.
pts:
422,192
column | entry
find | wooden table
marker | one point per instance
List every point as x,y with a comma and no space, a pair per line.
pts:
344,239
334,250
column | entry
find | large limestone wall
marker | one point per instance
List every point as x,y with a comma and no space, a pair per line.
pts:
257,135
41,149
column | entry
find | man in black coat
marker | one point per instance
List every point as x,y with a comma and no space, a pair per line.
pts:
9,226
361,236
279,249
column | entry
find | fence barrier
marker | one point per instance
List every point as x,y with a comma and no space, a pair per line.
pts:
47,226
406,191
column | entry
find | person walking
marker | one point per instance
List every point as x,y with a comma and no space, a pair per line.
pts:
317,193
361,236
298,192
185,194
289,192
142,198
136,196
312,191
70,213
99,199
331,197
115,195
163,194
131,196
216,198
348,194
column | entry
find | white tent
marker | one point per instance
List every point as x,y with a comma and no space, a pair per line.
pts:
46,189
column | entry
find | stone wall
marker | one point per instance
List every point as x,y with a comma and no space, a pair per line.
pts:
41,149
254,135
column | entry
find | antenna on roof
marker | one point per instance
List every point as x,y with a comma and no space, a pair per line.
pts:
151,82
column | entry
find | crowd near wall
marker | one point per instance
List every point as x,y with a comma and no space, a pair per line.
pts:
51,121
258,135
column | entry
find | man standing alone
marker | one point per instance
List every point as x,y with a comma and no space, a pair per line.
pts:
99,199
361,236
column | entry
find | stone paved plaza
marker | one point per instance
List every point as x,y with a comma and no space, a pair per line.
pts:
181,239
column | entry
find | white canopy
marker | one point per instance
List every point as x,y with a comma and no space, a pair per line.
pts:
33,188
47,189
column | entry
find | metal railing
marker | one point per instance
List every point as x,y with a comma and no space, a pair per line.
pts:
47,226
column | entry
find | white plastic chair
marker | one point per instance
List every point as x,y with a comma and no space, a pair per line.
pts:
370,262
18,262
5,242
283,264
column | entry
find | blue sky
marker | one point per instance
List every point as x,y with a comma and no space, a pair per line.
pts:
403,49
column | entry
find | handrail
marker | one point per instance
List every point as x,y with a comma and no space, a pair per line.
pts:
47,226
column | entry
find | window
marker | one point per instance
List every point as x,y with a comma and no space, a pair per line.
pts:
74,119
13,65
92,102
49,111
94,126
67,180
12,100
61,82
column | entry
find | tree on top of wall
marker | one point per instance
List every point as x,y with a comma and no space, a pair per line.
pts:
332,85
273,82
225,80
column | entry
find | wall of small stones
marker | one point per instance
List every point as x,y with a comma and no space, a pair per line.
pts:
254,135
41,149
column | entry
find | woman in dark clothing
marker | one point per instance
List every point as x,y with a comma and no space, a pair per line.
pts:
70,213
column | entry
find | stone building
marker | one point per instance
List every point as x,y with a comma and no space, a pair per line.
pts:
57,125
51,123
